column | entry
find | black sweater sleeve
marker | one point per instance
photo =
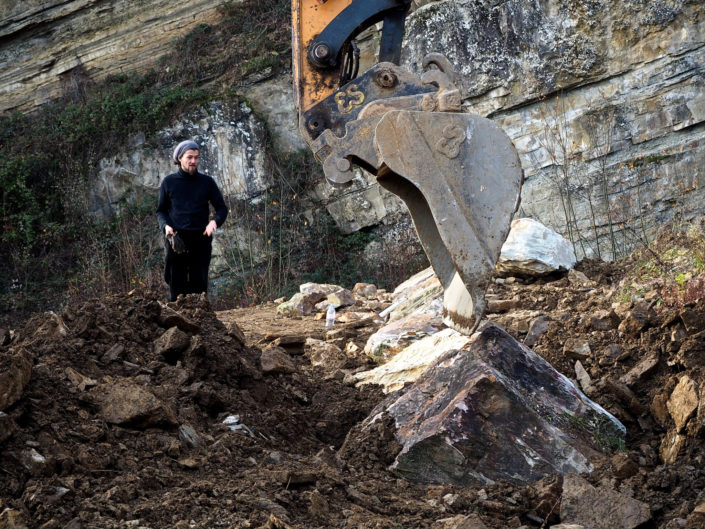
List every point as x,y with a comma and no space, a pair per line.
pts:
163,207
216,200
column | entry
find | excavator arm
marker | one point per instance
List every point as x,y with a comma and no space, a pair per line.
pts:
459,174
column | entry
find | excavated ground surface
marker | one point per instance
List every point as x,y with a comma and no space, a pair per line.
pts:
291,466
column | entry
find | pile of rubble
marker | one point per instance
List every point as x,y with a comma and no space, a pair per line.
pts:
130,412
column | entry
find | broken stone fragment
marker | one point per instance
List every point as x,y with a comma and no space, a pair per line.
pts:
693,320
410,363
579,280
188,436
12,519
341,298
659,409
168,318
123,402
671,446
624,466
537,328
636,320
318,505
300,304
502,305
113,353
577,349
462,521
325,354
80,381
697,427
276,360
234,330
348,317
172,343
583,377
365,290
683,402
641,370
15,377
691,353
697,517
473,416
600,507
421,293
5,336
318,289
604,320
51,328
34,462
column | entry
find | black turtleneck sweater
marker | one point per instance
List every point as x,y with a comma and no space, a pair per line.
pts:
184,199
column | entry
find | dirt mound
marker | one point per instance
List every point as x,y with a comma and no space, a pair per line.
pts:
145,414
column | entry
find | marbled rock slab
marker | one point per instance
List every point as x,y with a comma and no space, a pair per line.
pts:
600,507
532,249
493,410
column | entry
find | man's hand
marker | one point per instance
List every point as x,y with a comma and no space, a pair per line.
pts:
210,229
168,230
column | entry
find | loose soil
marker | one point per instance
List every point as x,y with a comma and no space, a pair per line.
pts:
288,463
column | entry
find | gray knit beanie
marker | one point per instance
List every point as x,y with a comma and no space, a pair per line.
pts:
181,148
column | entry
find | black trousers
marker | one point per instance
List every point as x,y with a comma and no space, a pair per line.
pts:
187,273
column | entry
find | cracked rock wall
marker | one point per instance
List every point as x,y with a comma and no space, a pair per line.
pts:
43,41
604,100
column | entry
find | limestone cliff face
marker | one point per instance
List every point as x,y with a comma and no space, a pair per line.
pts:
604,101
43,41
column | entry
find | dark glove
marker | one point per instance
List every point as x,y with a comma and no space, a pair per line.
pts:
176,242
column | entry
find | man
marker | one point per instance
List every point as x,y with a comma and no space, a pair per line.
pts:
184,218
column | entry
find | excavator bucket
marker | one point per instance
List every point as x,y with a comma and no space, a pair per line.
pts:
460,177
459,174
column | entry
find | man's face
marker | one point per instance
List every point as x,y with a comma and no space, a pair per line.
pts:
189,161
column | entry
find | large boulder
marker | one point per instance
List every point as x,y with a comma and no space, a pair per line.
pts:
532,249
492,410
